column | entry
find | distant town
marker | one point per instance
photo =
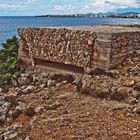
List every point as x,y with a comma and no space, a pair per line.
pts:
99,15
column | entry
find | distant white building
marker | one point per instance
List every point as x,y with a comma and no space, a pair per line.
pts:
138,15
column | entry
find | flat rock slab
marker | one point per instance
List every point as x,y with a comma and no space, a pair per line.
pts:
103,28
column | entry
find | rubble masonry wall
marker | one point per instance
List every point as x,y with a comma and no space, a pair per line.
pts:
77,47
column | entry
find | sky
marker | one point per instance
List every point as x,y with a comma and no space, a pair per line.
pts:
44,7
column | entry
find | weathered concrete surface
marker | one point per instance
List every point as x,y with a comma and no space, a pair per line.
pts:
83,46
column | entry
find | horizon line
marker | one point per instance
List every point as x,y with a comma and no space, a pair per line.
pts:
67,14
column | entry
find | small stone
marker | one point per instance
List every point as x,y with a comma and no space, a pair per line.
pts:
86,81
42,86
51,83
58,85
121,93
27,138
29,89
11,91
39,109
64,82
134,129
129,83
2,119
132,100
137,110
24,75
22,107
55,105
1,90
90,42
12,136
137,86
14,82
136,93
123,90
23,87
23,81
16,113
67,95
45,94
19,92
30,112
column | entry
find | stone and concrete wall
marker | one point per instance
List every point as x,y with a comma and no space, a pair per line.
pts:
95,46
122,45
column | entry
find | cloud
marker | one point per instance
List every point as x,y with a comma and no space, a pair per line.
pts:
109,5
63,7
16,4
31,1
36,7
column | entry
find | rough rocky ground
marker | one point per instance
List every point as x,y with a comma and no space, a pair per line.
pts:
54,106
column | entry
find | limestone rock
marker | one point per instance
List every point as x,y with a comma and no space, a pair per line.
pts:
54,106
90,42
1,90
65,96
137,86
51,83
23,81
11,133
14,82
130,83
39,109
137,110
21,107
124,90
29,89
42,86
5,106
45,94
136,93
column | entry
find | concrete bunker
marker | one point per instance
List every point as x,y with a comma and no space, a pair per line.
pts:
91,47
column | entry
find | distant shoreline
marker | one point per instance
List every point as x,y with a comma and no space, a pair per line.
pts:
99,15
87,17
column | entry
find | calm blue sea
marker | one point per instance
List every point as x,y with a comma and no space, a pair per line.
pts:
9,25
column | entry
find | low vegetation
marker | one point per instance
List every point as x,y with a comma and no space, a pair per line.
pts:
9,62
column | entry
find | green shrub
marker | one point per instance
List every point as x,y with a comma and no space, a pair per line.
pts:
9,62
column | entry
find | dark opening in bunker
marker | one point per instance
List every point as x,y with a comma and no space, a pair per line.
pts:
57,65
